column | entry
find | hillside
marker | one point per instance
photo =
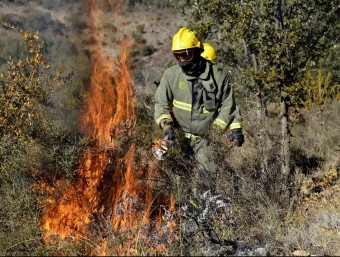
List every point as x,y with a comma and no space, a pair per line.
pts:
152,28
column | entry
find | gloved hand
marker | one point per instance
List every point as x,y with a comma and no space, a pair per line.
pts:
169,134
238,136
167,127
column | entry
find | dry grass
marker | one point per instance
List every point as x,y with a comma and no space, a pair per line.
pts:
314,226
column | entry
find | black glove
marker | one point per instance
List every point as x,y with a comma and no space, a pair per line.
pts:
167,127
238,135
169,134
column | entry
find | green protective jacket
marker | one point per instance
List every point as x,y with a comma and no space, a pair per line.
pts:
195,110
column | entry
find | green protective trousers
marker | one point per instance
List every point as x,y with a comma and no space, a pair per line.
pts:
206,173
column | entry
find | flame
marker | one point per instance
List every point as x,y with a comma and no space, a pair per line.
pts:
107,106
107,183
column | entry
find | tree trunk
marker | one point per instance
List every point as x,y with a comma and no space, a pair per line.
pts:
260,113
285,135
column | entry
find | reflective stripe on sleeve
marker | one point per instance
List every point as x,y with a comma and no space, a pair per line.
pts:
220,123
235,125
164,116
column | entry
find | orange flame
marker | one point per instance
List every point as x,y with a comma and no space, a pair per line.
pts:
107,107
106,183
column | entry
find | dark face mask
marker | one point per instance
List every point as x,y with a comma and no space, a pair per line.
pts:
190,68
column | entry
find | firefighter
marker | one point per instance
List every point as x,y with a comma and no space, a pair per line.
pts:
195,96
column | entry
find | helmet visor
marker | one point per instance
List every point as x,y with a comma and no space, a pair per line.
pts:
184,55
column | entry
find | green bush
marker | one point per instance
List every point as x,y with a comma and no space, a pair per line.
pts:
35,144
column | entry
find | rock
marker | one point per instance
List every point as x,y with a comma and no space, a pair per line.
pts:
260,251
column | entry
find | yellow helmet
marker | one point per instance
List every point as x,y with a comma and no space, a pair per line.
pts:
185,39
209,53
